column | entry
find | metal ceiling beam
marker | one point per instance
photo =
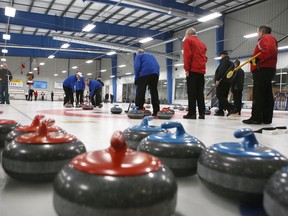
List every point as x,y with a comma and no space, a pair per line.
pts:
57,23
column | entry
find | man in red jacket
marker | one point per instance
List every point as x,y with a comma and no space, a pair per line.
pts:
263,70
194,57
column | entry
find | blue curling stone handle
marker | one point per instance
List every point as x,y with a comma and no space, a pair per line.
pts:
144,126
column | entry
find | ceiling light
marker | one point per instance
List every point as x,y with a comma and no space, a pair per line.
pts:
208,29
3,59
88,27
251,35
121,66
217,58
145,40
179,64
6,37
282,47
89,74
66,45
111,53
35,69
42,63
209,17
89,61
51,56
10,11
55,74
103,70
74,67
112,76
64,71
4,50
128,73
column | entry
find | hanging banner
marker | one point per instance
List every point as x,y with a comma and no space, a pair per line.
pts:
16,83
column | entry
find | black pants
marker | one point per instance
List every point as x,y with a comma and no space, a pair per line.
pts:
152,82
97,96
263,101
79,96
30,96
68,95
237,98
222,92
195,90
4,94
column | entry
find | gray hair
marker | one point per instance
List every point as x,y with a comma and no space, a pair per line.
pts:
190,31
140,51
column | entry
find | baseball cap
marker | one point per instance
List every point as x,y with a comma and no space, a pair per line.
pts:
79,74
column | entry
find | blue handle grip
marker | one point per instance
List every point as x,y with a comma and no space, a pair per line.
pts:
179,127
249,142
144,122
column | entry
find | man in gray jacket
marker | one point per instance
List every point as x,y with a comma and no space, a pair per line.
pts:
5,78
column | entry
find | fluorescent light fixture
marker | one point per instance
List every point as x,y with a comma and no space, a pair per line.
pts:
89,74
179,64
111,53
88,27
4,51
89,61
103,70
64,71
282,47
3,59
128,73
35,69
145,40
6,37
208,29
10,11
42,63
74,67
51,56
65,46
112,76
281,73
209,17
55,74
121,66
217,58
251,35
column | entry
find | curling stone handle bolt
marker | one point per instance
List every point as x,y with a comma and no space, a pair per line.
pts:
179,127
144,122
249,141
118,142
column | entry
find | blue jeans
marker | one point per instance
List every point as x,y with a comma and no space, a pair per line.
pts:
4,95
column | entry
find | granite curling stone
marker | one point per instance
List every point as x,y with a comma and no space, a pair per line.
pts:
39,156
134,113
134,135
276,194
179,151
165,113
113,182
6,126
68,105
116,109
87,106
239,170
32,128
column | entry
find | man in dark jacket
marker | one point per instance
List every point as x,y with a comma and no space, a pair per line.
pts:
263,70
69,87
80,87
237,88
95,89
5,78
223,84
146,70
194,57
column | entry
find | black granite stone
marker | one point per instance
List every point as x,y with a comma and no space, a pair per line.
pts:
116,110
4,130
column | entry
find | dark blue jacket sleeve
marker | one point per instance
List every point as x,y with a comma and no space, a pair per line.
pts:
137,66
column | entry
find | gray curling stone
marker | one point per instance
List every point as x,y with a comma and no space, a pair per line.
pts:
32,128
179,151
113,182
276,194
147,113
68,105
116,109
134,135
38,157
6,126
165,113
87,106
239,170
148,106
134,113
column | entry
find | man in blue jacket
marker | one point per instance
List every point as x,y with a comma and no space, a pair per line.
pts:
146,70
95,88
80,87
69,87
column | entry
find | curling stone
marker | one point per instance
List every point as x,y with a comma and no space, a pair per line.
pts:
165,113
32,128
87,106
116,109
68,105
148,106
39,156
6,126
134,113
207,111
147,112
176,106
276,194
239,170
78,106
181,108
179,151
134,135
115,181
